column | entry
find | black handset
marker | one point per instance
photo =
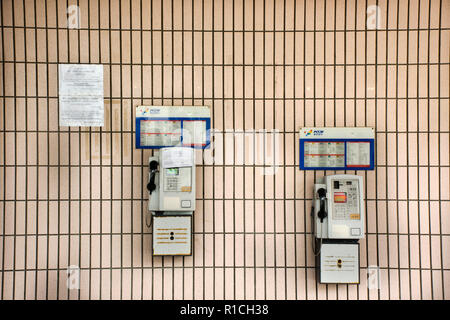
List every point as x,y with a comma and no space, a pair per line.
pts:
322,214
151,186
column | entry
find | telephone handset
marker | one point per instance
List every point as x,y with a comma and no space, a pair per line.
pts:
322,214
151,186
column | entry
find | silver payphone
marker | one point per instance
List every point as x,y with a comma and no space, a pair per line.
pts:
338,222
171,189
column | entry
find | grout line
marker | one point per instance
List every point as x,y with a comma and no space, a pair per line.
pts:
48,149
131,153
37,156
26,158
142,205
100,162
439,159
428,159
418,176
227,31
197,232
295,174
15,156
209,267
304,124
112,152
376,176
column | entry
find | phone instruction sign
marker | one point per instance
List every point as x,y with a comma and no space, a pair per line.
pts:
170,126
337,148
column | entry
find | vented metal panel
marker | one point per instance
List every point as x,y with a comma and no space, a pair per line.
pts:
73,201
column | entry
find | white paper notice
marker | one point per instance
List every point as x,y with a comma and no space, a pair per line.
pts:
81,95
194,132
358,154
177,157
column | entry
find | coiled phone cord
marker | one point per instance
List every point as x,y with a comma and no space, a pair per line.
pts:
313,240
151,186
149,225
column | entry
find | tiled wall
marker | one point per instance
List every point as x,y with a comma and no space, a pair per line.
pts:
76,197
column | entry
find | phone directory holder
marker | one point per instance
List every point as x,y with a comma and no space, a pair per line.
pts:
169,126
334,148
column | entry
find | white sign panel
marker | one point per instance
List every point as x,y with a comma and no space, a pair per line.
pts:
334,148
169,126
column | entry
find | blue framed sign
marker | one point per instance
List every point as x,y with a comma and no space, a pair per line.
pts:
337,148
163,126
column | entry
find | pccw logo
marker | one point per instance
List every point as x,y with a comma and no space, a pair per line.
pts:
313,132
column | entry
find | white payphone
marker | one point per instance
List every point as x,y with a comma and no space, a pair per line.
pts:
171,189
338,222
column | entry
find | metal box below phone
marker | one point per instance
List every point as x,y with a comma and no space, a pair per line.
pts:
339,263
172,235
